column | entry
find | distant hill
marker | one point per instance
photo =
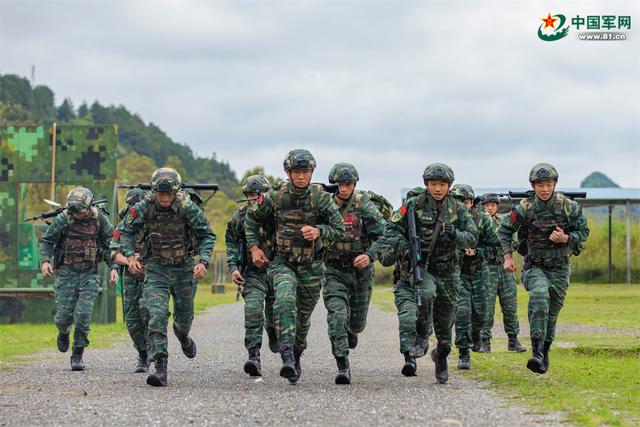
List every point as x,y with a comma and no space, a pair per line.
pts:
598,180
147,143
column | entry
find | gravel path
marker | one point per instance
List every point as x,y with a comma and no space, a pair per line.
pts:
213,389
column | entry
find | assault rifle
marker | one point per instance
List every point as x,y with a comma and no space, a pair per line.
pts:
242,262
100,204
415,255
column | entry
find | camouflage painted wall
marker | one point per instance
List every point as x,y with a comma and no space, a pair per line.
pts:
85,156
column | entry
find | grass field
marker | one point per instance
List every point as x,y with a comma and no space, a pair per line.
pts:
20,341
594,378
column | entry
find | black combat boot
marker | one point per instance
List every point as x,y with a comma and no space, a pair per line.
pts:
485,346
344,371
274,345
143,362
288,369
252,366
76,359
353,339
421,345
188,346
63,342
515,345
536,362
465,359
545,353
297,354
439,357
477,341
159,377
409,369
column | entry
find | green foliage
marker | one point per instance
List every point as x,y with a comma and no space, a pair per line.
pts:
598,180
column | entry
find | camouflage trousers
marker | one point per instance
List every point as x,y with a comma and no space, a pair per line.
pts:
547,289
259,296
297,292
161,282
135,318
74,293
501,285
471,306
439,295
346,295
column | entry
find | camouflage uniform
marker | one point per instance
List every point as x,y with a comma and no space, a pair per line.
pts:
297,269
441,280
472,298
168,262
502,285
135,318
547,269
74,247
347,291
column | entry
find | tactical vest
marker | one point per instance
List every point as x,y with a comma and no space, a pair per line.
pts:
355,241
444,251
80,247
542,250
472,264
292,215
166,234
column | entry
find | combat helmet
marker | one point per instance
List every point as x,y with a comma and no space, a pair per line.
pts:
299,159
255,184
463,192
134,195
542,172
343,172
439,172
166,180
490,198
79,199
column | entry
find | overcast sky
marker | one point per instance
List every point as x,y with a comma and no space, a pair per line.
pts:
388,86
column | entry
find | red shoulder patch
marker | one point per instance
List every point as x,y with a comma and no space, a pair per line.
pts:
403,210
116,234
260,199
513,216
133,213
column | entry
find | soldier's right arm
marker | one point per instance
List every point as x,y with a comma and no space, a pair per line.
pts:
257,216
394,242
507,228
132,224
51,237
231,237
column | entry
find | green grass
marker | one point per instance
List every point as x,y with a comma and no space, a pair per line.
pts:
594,378
21,340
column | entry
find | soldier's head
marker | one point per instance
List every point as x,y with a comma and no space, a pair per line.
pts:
165,183
464,193
543,178
299,165
253,186
438,178
134,195
79,201
490,203
346,176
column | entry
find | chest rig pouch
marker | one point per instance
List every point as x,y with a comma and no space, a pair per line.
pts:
80,243
292,215
166,236
355,241
542,250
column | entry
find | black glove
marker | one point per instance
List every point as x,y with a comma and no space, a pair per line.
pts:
449,230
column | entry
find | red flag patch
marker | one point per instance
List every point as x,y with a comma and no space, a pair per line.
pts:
133,213
513,216
260,199
116,234
403,210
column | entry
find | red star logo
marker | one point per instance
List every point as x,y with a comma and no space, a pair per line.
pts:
549,21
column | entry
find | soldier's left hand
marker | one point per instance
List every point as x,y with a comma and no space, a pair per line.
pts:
199,271
113,276
362,261
470,251
310,233
559,236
